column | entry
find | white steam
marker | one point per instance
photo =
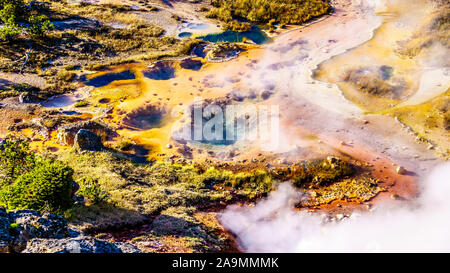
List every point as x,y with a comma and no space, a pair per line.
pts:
420,226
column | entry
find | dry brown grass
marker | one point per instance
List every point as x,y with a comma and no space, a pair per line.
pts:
369,83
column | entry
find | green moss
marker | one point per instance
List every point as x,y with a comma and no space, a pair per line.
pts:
15,160
65,75
46,187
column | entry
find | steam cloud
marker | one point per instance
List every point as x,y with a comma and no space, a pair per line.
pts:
413,226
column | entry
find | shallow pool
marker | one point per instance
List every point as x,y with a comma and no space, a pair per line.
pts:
60,101
185,34
106,79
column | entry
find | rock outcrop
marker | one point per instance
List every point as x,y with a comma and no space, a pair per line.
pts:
32,232
66,134
401,170
86,140
18,227
4,231
81,244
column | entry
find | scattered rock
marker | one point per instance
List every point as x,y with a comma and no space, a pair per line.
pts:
31,224
395,196
401,170
82,244
32,232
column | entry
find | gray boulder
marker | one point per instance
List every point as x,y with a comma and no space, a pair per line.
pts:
4,231
31,224
86,140
66,134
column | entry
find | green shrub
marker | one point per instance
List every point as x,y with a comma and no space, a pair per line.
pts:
92,191
46,187
24,87
9,15
15,159
14,226
65,75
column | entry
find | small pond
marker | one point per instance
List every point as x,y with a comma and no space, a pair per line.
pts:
108,78
60,101
163,70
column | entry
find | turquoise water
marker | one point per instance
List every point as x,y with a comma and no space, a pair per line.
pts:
197,26
255,34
